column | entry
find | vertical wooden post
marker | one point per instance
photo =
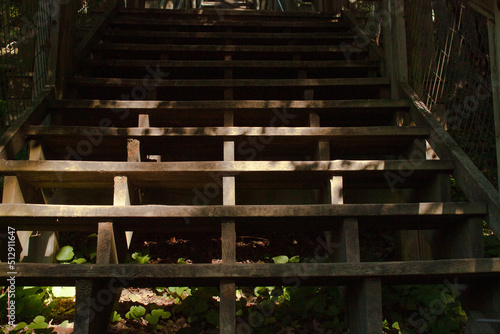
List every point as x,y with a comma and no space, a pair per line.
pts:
396,59
122,197
228,234
365,307
494,47
43,248
65,47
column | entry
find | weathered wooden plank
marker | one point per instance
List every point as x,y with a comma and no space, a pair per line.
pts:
226,23
165,64
240,104
325,132
397,272
226,48
323,210
232,36
119,82
182,14
59,174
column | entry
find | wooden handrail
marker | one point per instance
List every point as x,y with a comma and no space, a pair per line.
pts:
470,179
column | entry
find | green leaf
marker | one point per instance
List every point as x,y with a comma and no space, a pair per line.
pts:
20,325
63,291
115,317
65,323
79,260
136,312
152,319
139,258
280,259
65,254
38,323
294,259
134,298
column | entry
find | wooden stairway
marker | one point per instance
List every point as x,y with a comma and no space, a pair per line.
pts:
236,122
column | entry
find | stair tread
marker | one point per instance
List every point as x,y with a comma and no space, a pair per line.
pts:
221,104
227,48
230,35
120,82
404,272
232,63
229,23
428,209
226,13
228,132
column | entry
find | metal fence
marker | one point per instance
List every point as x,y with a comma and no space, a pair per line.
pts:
448,56
24,47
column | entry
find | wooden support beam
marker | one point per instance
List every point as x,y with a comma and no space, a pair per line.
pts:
345,245
106,246
39,248
122,197
228,237
365,306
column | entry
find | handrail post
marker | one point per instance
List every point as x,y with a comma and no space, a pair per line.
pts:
494,47
395,46
62,58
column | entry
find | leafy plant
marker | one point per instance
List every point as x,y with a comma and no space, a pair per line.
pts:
30,303
156,315
67,255
136,312
139,258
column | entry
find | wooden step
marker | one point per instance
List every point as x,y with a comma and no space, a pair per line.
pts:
360,143
234,37
57,174
123,113
147,275
242,69
340,135
166,64
132,13
119,82
249,105
241,89
229,48
307,25
22,213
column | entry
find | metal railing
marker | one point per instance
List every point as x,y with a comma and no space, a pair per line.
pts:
449,68
24,47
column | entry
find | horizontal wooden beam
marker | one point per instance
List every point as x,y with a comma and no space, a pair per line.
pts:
227,48
11,167
340,133
226,35
462,270
232,63
240,104
343,82
181,211
132,22
197,13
